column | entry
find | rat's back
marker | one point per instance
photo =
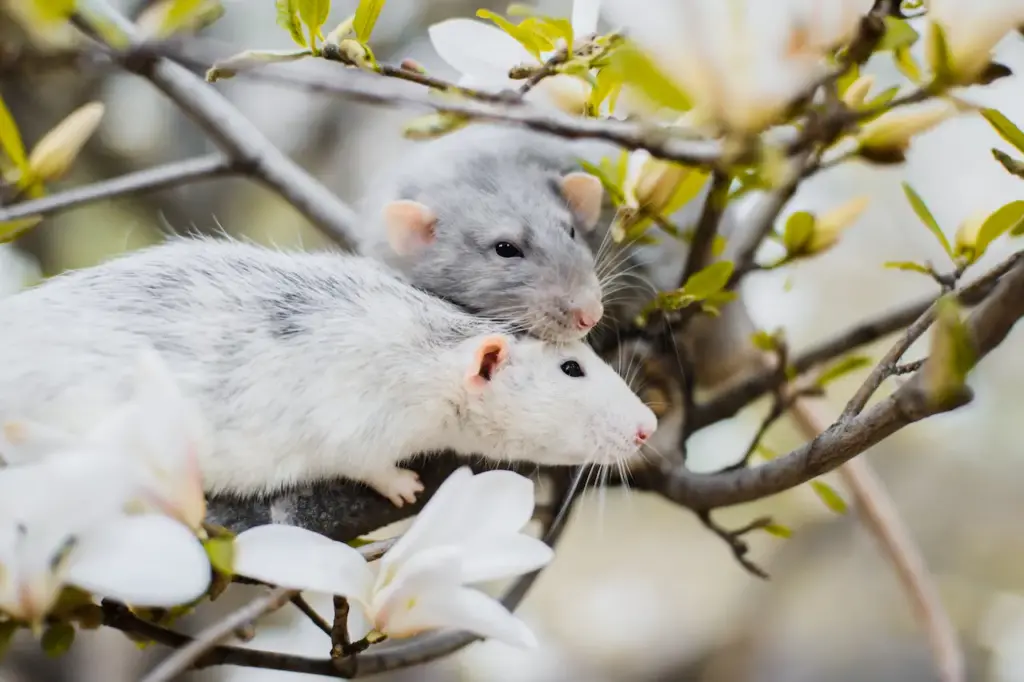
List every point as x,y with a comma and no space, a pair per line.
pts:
229,318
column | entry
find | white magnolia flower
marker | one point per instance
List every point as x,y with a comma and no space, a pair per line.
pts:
742,63
155,436
62,522
65,516
972,30
469,532
483,54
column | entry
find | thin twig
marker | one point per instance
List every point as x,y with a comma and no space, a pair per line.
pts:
734,538
340,641
707,225
730,402
879,514
302,605
182,659
149,180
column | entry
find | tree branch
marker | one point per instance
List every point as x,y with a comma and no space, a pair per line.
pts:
707,225
988,325
149,180
878,513
182,659
730,402
236,136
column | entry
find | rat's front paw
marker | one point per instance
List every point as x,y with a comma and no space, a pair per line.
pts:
398,485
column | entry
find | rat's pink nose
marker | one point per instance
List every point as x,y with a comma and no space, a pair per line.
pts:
642,434
582,319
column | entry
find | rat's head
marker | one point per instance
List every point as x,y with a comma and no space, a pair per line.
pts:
552,404
511,248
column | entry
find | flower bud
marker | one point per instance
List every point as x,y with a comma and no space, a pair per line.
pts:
966,238
894,129
54,154
829,225
858,91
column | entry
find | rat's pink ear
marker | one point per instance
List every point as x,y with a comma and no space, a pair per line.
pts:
491,353
410,226
585,193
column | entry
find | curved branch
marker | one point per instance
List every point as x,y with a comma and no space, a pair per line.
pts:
149,180
249,150
988,325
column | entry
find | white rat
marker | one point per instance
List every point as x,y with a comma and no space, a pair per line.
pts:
308,366
493,221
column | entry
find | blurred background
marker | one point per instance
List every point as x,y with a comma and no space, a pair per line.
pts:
639,589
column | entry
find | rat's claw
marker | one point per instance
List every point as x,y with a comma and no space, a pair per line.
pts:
398,485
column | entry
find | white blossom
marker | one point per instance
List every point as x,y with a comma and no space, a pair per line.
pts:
972,30
69,507
469,532
742,63
483,54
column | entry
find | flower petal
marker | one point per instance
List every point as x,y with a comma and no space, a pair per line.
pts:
431,569
462,608
484,52
296,558
438,520
149,561
503,557
498,502
585,14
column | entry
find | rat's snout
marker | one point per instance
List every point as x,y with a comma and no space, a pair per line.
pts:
642,434
646,429
588,314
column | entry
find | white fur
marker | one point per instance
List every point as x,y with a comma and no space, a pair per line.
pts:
306,366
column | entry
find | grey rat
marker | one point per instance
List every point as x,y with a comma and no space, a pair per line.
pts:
307,367
489,219
439,214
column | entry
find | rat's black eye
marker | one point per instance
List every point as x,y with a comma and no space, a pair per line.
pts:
572,233
572,368
507,250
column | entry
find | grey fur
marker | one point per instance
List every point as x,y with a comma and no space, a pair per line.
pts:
489,184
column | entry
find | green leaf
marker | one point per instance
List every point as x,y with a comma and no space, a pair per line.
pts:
1005,127
57,639
765,452
798,232
950,357
938,49
359,542
844,366
690,187
634,67
927,218
10,138
778,530
1008,218
430,126
53,10
899,34
909,266
288,19
1012,165
314,14
764,340
709,281
13,229
7,631
366,18
829,496
906,63
222,554
526,35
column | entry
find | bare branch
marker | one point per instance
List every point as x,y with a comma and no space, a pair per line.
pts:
181,660
149,180
236,136
879,515
302,605
707,225
988,325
